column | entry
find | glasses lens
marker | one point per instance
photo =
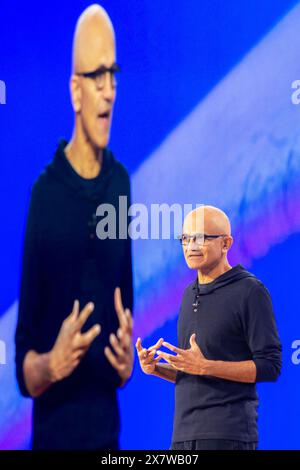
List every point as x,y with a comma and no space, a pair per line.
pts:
101,76
197,238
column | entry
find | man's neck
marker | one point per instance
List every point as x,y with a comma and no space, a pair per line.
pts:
84,158
210,274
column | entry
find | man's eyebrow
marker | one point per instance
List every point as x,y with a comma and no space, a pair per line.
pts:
193,234
105,66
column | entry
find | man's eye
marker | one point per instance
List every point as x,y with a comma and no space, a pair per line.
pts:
100,74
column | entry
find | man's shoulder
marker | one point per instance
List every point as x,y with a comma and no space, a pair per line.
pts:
189,289
253,290
122,170
253,283
42,182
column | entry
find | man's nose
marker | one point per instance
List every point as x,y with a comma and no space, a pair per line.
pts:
193,247
109,89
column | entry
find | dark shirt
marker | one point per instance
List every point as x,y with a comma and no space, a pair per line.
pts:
234,321
64,260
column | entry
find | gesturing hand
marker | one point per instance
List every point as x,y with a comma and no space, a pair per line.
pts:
71,345
147,357
123,358
190,361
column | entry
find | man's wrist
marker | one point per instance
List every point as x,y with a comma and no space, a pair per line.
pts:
206,367
50,362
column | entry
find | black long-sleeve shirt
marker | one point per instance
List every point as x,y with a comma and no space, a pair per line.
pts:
64,260
234,321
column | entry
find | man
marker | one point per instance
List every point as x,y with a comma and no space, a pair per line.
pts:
62,359
228,341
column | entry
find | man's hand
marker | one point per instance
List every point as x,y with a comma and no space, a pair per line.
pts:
190,361
121,344
71,345
147,357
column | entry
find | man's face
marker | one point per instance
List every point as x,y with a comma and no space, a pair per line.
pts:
202,254
95,103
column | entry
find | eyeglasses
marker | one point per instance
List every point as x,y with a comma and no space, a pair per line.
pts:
198,238
99,74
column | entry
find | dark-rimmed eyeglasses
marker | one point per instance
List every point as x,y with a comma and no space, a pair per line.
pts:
197,238
99,75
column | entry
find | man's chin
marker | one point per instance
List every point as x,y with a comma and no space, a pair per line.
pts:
100,142
195,263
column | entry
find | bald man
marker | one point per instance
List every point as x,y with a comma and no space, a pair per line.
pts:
73,337
228,341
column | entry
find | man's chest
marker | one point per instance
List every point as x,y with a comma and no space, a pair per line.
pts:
216,323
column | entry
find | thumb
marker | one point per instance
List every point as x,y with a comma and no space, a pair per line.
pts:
138,345
193,341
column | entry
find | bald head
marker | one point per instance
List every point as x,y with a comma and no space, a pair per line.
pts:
207,219
94,39
207,254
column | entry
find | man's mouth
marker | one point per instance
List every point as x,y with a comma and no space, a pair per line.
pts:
198,255
104,115
103,120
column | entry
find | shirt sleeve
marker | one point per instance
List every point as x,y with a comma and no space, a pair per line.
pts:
126,284
25,336
262,335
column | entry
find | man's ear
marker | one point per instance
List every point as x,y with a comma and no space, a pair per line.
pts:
228,241
75,90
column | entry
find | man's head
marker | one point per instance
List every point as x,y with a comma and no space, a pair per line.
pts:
202,252
93,96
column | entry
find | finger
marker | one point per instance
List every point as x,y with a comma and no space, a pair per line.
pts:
156,345
120,309
177,367
84,315
112,358
129,319
138,345
157,359
168,357
125,338
142,354
75,363
75,310
172,348
78,354
193,341
116,345
87,338
149,359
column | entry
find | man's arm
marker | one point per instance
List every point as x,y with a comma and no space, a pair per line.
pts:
166,372
42,370
26,336
261,334
243,371
126,281
37,373
192,361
